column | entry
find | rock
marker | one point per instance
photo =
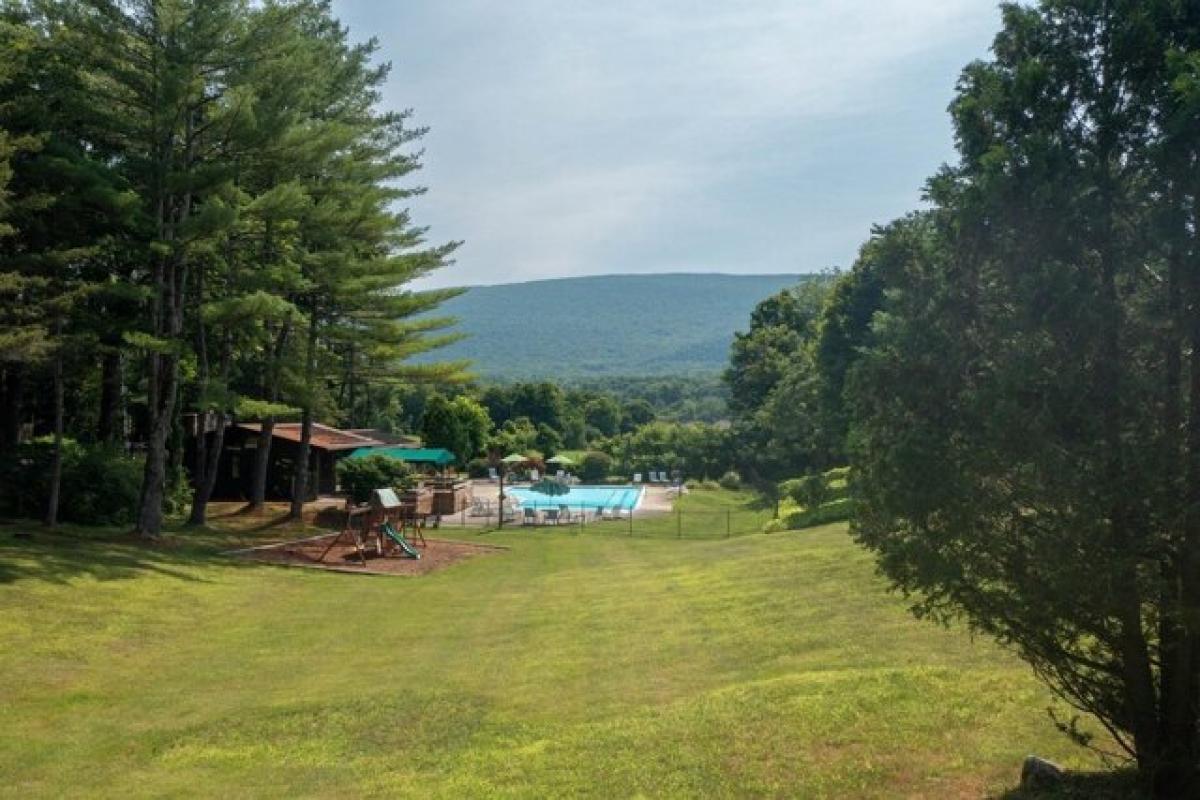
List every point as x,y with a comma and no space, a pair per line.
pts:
1038,773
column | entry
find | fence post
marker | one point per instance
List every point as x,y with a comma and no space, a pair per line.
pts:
728,522
631,522
679,524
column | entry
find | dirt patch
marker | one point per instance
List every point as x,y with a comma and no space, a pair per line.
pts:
343,557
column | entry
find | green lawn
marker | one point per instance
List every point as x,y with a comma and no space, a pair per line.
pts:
573,664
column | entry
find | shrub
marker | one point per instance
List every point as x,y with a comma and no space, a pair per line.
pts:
731,481
100,484
811,491
361,476
594,466
478,468
836,511
178,493
774,526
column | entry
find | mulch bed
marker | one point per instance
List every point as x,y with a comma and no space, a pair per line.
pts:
438,554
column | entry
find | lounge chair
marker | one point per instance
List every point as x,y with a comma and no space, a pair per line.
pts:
530,518
561,474
637,477
534,476
564,514
493,476
550,516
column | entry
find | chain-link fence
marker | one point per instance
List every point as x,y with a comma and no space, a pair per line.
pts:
679,523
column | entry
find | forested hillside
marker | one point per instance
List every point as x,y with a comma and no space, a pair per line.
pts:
606,325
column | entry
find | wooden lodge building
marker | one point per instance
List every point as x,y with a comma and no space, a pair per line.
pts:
327,447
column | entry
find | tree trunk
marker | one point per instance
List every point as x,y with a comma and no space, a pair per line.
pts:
206,478
262,457
1177,776
170,284
14,402
110,428
262,463
300,481
175,447
154,475
1125,524
163,412
56,465
200,457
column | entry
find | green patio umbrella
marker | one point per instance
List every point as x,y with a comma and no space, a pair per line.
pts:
562,461
510,460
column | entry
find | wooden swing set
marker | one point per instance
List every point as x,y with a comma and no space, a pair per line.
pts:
385,525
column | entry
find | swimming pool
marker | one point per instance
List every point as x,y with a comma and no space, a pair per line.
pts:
588,497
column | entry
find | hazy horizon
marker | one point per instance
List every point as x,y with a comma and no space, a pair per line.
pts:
669,273
570,140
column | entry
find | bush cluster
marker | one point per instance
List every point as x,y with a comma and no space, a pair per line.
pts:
361,476
731,481
100,483
594,467
835,511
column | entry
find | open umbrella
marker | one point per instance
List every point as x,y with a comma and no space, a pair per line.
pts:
562,461
510,460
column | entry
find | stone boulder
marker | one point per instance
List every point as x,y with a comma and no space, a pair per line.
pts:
1038,773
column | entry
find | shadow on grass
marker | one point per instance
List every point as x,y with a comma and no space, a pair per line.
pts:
29,551
1116,785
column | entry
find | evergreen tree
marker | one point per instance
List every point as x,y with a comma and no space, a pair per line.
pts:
1026,420
68,213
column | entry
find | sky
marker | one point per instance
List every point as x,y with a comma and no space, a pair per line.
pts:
590,137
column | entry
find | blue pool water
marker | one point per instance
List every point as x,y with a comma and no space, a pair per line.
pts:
589,497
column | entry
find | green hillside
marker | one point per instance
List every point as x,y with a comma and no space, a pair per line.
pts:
606,325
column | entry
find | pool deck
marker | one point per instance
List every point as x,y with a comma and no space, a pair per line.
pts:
656,498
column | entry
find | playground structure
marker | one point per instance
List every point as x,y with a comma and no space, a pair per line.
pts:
387,526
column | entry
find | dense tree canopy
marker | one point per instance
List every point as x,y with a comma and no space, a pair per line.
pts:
1026,416
208,214
461,425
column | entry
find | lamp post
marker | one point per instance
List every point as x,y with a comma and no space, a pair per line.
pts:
500,505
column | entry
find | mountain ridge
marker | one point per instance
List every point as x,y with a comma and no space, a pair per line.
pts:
674,323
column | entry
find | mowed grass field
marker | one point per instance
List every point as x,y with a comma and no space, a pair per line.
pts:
569,665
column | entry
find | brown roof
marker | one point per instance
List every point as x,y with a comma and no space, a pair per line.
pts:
394,439
323,436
